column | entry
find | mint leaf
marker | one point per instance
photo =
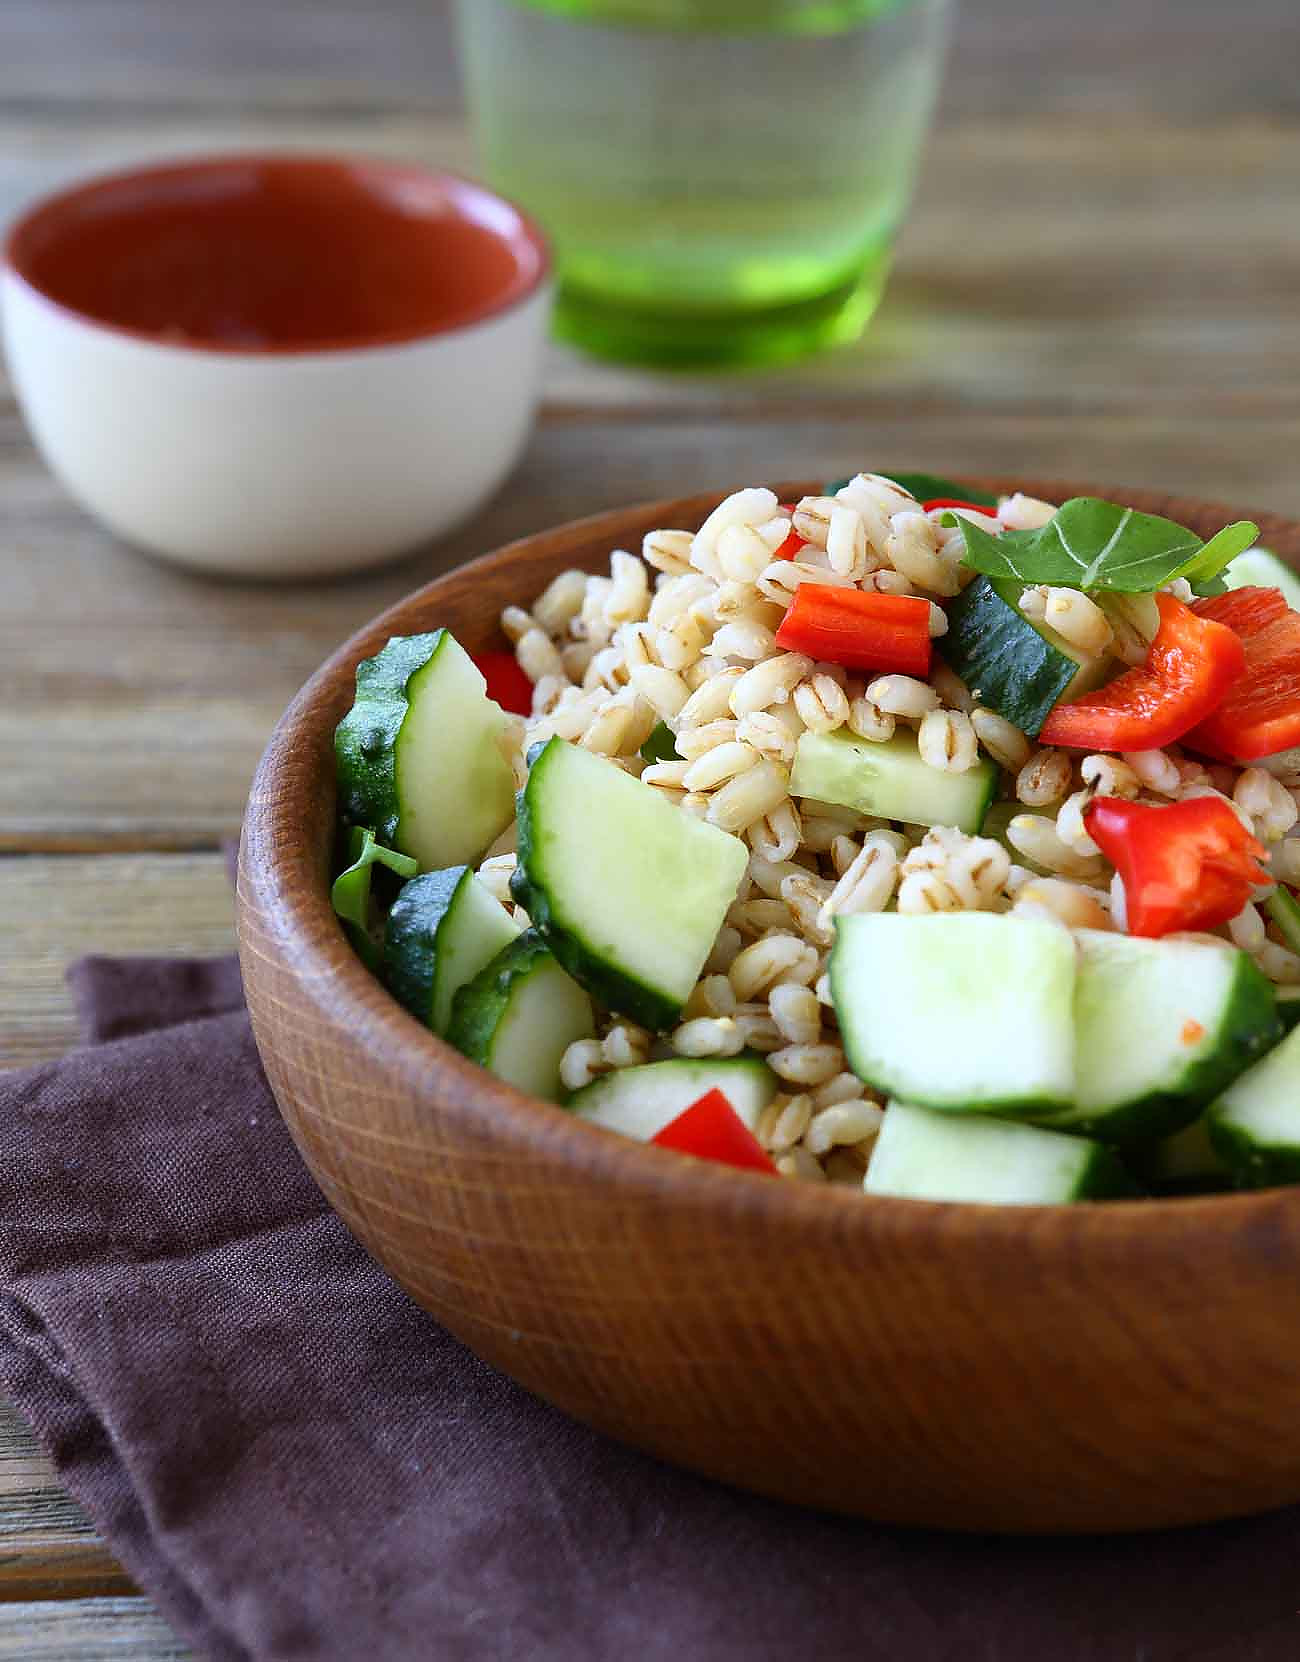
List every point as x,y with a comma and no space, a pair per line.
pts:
1087,544
1222,548
350,895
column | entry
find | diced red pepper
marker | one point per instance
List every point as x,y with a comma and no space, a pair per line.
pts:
1191,665
711,1129
1187,865
506,682
789,549
981,508
857,629
1245,611
1261,712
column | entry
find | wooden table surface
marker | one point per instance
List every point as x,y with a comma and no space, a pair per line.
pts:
1101,278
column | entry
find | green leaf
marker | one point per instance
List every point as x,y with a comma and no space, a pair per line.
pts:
350,896
1222,548
926,487
661,746
1087,544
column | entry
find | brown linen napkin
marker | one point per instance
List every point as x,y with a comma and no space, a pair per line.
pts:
295,1462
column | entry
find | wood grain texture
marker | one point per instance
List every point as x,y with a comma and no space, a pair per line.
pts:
48,1547
1072,339
960,1361
56,909
94,1630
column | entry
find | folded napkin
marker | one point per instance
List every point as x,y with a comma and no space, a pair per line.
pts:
296,1462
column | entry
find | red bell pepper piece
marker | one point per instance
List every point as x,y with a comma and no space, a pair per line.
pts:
1190,666
1261,712
981,508
506,682
789,549
711,1129
1245,611
1187,865
858,629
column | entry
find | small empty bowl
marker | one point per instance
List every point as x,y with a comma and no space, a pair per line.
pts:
276,366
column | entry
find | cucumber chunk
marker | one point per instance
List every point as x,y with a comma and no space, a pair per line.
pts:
1160,1027
1257,568
1013,666
1284,910
442,929
1288,1007
1255,1124
519,1015
931,1156
890,780
628,892
417,754
639,1102
962,1011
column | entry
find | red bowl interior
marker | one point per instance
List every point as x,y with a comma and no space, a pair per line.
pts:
279,253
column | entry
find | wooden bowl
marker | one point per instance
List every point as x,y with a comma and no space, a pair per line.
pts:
1121,1366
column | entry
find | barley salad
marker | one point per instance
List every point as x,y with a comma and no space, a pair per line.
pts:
902,838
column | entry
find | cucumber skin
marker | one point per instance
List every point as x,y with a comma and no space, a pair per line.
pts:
1105,1177
477,1007
365,741
409,941
610,986
1252,1028
1024,688
1252,1167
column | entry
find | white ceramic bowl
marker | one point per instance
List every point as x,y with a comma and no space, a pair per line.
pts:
276,366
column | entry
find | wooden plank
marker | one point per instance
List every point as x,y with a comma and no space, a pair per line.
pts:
48,1546
1109,56
56,908
137,699
93,1630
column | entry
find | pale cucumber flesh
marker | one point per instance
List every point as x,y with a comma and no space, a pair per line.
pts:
546,1013
965,1011
933,1156
441,931
1160,1026
628,892
890,780
640,1101
455,788
1255,1123
475,930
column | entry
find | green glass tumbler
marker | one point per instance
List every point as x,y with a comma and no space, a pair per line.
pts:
723,180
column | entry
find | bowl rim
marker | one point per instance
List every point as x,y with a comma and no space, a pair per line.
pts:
519,292
293,904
